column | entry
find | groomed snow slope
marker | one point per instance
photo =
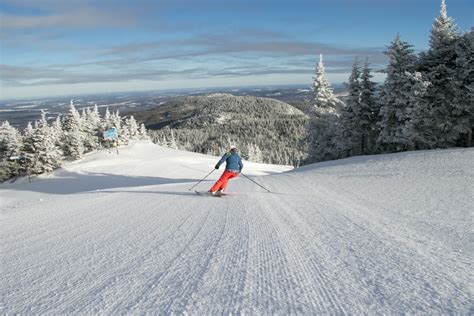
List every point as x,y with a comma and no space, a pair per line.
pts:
122,234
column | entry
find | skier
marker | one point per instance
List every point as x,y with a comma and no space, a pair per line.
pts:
233,168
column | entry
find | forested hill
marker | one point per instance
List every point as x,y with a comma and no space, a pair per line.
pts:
266,130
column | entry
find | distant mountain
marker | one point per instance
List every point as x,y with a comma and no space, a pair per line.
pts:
266,130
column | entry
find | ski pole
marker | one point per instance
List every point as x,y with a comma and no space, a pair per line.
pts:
201,180
256,183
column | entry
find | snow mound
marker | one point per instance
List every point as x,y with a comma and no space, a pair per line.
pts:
122,234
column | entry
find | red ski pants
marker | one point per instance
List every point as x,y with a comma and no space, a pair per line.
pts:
221,184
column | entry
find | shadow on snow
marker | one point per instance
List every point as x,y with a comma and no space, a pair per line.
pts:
66,182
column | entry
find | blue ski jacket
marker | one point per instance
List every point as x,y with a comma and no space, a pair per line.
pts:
233,162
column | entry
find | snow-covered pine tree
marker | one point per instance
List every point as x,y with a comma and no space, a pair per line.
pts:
351,131
172,142
10,140
463,102
254,153
132,127
90,142
143,133
40,151
28,131
58,134
419,125
438,66
10,145
50,154
368,111
92,128
28,150
94,119
398,97
73,134
323,96
323,126
120,126
107,121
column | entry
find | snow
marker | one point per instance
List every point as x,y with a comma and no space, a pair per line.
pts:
122,234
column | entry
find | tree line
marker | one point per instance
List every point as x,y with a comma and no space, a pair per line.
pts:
43,146
425,102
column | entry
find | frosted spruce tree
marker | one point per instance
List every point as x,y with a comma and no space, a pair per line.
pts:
132,127
368,111
91,125
107,121
350,130
73,134
94,118
438,65
324,118
398,97
254,153
323,97
122,130
11,143
39,149
50,154
463,102
418,131
58,134
143,133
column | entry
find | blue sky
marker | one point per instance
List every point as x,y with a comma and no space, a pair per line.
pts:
58,47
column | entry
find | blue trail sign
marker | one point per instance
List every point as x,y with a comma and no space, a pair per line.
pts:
110,134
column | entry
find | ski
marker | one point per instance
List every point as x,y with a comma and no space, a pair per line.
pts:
207,193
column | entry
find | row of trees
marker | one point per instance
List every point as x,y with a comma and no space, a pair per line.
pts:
425,102
183,139
43,145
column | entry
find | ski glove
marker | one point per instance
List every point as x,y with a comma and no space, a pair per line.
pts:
216,167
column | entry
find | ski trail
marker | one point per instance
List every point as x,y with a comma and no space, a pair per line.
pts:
221,288
159,289
348,238
403,272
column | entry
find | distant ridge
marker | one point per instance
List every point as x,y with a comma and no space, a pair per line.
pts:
267,130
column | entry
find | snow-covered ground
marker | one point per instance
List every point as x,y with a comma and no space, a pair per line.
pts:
122,234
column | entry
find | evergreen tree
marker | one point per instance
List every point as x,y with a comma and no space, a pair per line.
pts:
41,153
419,124
10,140
438,65
107,122
91,126
351,131
398,97
28,131
132,127
172,142
58,134
10,146
323,125
254,153
143,133
122,130
49,154
323,96
94,119
368,111
463,103
73,134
